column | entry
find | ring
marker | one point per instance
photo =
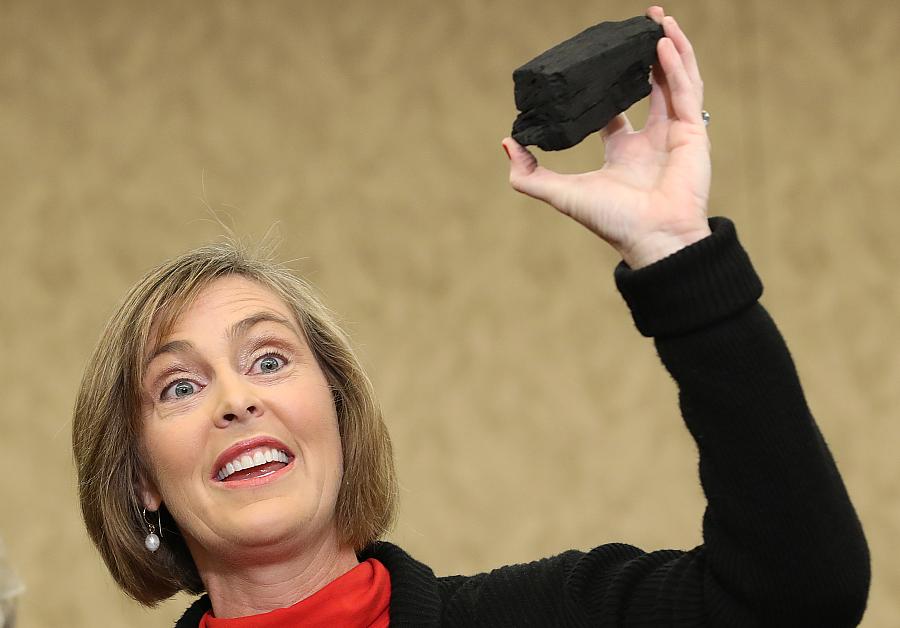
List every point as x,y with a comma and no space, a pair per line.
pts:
705,115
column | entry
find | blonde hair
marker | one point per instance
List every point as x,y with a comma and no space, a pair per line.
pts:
107,421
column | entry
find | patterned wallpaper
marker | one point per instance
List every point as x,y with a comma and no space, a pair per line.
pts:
528,414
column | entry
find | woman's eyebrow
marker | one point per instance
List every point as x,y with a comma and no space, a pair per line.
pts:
243,326
175,346
237,330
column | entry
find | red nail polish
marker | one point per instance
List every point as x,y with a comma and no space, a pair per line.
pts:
508,156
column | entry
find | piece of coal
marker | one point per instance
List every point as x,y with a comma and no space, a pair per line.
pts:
579,85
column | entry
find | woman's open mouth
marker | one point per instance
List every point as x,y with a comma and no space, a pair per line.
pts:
251,460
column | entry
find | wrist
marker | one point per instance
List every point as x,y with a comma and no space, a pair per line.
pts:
701,285
658,246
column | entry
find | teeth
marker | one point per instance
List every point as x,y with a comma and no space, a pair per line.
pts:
252,459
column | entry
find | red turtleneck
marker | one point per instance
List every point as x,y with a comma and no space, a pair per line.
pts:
358,598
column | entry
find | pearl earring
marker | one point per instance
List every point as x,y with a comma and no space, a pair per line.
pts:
151,541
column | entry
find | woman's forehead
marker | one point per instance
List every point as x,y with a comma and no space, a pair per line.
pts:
231,296
227,305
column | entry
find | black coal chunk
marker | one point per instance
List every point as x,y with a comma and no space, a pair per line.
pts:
579,85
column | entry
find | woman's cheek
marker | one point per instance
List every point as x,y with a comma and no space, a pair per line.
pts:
176,448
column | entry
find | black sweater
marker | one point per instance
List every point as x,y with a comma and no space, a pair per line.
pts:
782,543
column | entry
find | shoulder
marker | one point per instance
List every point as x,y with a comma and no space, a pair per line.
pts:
562,586
555,588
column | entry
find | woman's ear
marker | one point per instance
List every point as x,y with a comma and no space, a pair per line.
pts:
149,494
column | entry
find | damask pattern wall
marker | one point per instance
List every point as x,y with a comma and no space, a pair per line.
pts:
528,414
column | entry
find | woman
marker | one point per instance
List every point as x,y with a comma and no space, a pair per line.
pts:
227,440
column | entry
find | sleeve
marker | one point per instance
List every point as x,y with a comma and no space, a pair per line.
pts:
782,547
782,543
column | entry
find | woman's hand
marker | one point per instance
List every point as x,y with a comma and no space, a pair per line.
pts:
650,197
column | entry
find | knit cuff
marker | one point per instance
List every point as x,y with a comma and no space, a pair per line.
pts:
697,286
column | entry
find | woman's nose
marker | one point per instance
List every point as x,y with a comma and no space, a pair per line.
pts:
249,411
238,402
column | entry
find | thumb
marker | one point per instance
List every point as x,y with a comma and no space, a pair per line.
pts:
528,177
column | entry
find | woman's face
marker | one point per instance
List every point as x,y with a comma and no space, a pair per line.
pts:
239,426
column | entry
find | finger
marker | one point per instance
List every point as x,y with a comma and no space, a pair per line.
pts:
619,125
660,103
527,177
685,49
656,14
685,100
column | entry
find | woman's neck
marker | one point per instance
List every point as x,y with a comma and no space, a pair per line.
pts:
253,588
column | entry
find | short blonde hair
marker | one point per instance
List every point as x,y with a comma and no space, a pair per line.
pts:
106,426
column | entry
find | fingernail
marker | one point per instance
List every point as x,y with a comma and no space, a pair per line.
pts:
508,156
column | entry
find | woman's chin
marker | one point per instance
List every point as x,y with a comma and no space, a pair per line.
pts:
265,524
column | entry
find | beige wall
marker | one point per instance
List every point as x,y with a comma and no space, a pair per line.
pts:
528,414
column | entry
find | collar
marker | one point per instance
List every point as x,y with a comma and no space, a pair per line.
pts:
415,598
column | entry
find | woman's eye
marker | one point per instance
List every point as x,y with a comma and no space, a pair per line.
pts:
270,363
178,390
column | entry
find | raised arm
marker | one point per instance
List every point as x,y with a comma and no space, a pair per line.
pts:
782,543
